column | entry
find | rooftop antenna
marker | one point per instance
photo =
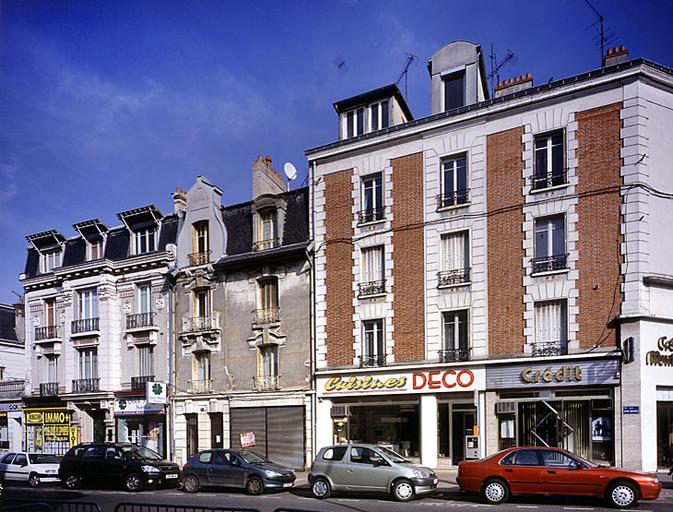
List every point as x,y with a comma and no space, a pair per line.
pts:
496,66
405,72
290,172
603,37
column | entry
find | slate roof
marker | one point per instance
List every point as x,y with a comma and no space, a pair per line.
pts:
8,324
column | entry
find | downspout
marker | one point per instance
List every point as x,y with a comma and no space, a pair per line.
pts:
312,309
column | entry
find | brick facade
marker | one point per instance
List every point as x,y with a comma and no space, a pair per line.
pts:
505,242
408,258
599,211
339,268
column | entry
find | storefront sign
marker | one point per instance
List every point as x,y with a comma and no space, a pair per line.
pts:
631,409
156,393
11,406
575,373
656,358
426,381
49,416
47,430
128,407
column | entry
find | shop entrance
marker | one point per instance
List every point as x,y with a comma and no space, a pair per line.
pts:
456,422
664,434
145,431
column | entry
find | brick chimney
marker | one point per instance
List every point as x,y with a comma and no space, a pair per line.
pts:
265,179
518,83
179,200
615,55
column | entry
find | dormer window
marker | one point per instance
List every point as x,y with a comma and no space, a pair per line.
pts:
379,115
145,240
95,250
200,243
94,233
355,122
454,90
266,230
50,261
143,224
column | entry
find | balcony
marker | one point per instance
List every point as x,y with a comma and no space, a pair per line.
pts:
550,348
372,288
549,263
49,332
139,320
457,198
453,355
139,383
84,325
266,316
372,361
267,383
263,245
371,215
85,385
200,323
49,389
199,258
8,387
454,277
549,180
200,386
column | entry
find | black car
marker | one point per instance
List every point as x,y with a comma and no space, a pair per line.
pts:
229,468
127,465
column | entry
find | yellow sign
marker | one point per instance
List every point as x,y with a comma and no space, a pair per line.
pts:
33,418
74,435
563,374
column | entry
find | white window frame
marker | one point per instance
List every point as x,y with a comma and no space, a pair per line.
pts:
362,109
149,237
455,343
366,273
87,363
87,303
51,260
144,298
196,302
378,176
444,263
443,169
380,107
49,369
563,320
202,369
269,366
100,244
548,148
548,221
379,340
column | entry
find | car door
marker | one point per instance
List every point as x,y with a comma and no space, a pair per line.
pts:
91,464
221,471
366,470
524,472
19,468
113,466
5,464
565,474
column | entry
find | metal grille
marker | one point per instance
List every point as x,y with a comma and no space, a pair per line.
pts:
453,277
552,179
84,325
454,355
85,385
371,215
550,263
266,316
136,320
199,258
550,348
46,333
453,199
372,288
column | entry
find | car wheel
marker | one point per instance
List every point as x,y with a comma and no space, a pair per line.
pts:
190,484
73,481
321,488
34,480
254,485
133,483
495,491
403,490
623,495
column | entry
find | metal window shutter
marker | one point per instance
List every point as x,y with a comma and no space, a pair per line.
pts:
285,436
251,419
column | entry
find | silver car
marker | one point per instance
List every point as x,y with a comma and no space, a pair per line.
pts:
366,468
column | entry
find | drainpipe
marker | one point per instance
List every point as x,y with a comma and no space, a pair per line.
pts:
312,309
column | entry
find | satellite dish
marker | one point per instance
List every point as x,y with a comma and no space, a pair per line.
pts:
290,170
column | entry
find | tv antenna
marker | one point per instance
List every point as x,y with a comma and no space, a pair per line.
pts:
290,172
497,65
405,72
603,36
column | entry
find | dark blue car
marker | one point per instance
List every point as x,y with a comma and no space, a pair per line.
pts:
228,468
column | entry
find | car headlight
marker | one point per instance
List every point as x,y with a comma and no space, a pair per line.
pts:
655,479
150,469
419,473
272,474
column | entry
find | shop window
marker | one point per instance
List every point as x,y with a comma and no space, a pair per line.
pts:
336,453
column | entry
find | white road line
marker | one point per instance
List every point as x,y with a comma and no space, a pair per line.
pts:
578,508
527,506
347,499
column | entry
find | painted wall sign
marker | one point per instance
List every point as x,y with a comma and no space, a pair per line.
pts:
663,356
631,409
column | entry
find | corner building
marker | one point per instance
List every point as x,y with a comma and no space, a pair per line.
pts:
494,274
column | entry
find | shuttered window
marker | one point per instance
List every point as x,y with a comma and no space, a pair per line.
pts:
550,321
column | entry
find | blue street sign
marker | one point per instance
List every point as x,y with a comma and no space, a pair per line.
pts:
631,409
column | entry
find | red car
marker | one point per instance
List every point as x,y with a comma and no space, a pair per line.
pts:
542,470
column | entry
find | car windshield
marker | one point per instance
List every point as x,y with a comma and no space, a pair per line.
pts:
252,457
140,453
38,458
392,455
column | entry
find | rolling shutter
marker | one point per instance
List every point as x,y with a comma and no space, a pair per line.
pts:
245,420
285,436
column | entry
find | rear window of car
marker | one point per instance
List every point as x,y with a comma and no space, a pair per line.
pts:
205,457
96,451
335,453
521,458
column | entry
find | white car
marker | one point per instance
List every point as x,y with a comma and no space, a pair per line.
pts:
33,468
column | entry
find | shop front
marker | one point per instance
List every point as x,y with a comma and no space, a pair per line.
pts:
10,425
567,403
49,430
139,422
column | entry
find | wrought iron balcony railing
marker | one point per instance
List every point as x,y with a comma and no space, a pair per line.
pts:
371,215
453,277
267,382
139,383
454,355
199,258
48,332
85,385
550,348
49,389
455,198
200,323
263,245
201,385
139,320
372,361
266,316
84,325
549,180
549,263
372,288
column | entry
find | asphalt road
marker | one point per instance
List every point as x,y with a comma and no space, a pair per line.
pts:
447,497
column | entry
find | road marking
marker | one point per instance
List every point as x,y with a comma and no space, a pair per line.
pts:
528,506
348,499
578,508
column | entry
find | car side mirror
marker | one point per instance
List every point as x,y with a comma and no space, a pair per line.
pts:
575,465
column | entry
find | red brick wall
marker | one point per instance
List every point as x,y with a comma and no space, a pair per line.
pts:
598,210
408,258
505,242
339,268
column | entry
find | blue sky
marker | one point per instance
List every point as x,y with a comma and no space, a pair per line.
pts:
110,105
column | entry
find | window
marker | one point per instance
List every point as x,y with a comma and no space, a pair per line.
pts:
96,451
145,240
336,453
550,253
355,122
554,459
202,366
20,460
144,298
373,271
455,259
49,312
372,199
268,293
521,458
88,304
455,336
549,161
454,182
266,230
146,360
7,459
200,241
88,363
550,328
268,361
201,303
454,90
96,249
373,345
205,457
363,455
50,261
49,369
378,114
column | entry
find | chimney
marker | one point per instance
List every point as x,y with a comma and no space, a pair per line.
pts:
615,55
518,83
265,179
179,200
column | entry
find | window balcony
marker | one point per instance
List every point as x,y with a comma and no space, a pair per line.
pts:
200,386
457,198
199,258
371,215
372,288
266,316
49,389
201,323
549,263
86,385
550,348
139,320
139,383
372,361
11,386
263,245
454,277
454,355
550,180
49,332
267,383
84,325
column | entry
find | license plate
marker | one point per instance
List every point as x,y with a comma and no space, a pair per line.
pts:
171,476
287,485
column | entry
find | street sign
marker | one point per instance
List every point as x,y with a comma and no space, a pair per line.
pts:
631,409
